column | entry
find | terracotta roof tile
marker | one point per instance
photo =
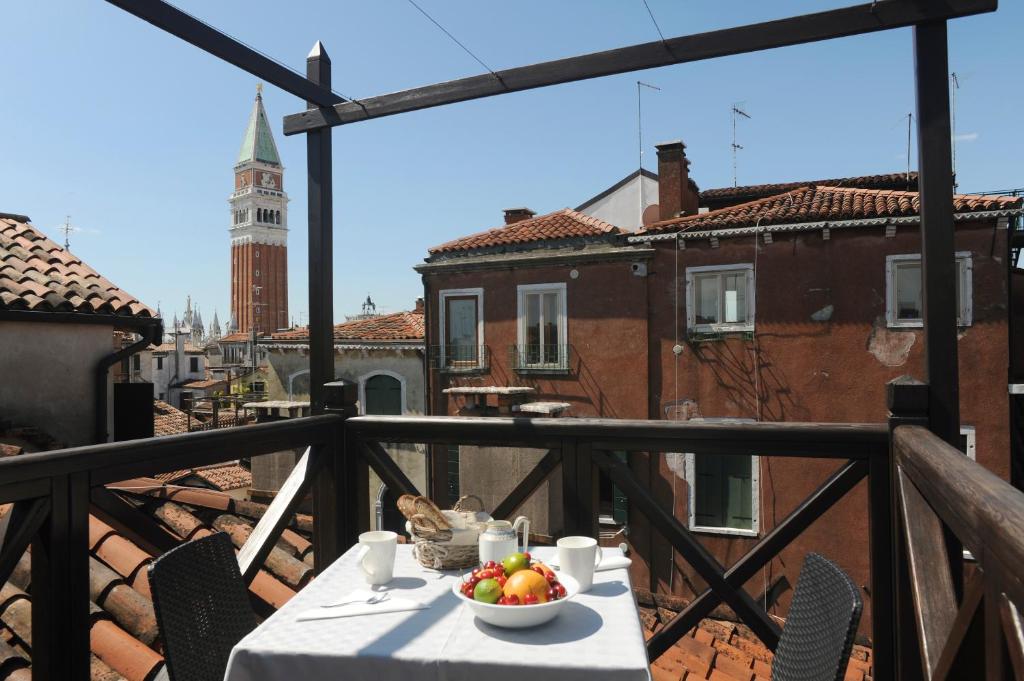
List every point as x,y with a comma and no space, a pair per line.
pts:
756,191
37,274
396,326
225,477
562,224
168,420
170,347
237,337
822,203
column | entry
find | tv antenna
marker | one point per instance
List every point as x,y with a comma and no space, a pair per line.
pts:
736,111
954,85
68,229
640,144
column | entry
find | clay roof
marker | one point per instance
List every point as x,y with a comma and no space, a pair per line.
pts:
824,203
237,337
168,420
222,476
169,347
206,383
723,651
562,224
124,638
38,274
386,327
723,195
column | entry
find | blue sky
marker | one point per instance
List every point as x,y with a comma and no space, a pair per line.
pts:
134,133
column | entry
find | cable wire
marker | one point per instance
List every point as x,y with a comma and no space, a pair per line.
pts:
259,52
456,40
654,21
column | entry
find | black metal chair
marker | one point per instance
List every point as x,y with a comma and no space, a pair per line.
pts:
202,607
823,617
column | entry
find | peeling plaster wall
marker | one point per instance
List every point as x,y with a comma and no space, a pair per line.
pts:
891,347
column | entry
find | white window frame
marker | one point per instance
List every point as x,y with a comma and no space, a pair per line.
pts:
691,302
563,322
965,275
380,372
442,296
970,433
755,489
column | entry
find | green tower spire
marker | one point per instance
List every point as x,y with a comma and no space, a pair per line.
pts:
258,143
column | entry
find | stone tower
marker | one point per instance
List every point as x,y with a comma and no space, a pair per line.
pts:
259,230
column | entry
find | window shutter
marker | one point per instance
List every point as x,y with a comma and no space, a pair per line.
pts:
708,488
737,486
620,503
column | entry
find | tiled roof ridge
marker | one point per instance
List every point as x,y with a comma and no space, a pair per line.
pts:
770,188
404,325
808,204
38,274
500,235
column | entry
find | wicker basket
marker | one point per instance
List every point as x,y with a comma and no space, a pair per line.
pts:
434,548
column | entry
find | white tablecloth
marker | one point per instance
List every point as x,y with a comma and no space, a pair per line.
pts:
597,637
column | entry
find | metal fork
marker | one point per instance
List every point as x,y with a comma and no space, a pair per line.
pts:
376,598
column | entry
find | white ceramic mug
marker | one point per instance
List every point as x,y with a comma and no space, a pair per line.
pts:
376,556
578,557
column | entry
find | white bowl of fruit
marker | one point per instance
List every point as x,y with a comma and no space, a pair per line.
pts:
516,593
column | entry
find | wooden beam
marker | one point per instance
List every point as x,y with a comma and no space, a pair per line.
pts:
526,487
812,508
965,630
691,549
1013,629
268,530
17,530
209,39
930,581
836,23
390,473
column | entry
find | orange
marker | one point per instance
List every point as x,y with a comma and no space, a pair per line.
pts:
526,582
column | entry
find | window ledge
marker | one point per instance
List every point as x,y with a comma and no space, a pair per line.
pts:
920,325
564,371
731,531
704,334
465,370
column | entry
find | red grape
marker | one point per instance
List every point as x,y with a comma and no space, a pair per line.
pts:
489,565
512,599
502,601
550,576
561,589
486,574
552,593
538,569
501,580
530,599
527,556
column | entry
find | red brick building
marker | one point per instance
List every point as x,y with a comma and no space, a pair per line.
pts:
793,302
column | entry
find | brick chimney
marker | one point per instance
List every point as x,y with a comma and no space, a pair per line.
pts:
676,196
517,215
419,306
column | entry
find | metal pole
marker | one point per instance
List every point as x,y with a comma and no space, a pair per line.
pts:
321,276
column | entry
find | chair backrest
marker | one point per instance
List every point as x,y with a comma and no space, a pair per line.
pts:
202,607
823,617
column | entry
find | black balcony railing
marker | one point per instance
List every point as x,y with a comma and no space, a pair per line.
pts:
539,358
459,358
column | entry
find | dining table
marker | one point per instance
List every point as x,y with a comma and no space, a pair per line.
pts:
597,635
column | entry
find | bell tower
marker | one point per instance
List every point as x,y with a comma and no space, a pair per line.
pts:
259,230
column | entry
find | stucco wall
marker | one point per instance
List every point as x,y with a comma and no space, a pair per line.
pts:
357,365
47,376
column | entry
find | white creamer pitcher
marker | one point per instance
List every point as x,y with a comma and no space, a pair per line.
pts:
498,540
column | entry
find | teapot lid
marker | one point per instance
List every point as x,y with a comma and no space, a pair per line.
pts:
499,524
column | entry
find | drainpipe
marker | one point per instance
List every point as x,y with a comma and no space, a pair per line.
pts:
151,333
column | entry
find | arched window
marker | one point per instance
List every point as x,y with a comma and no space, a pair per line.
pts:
277,216
383,395
259,215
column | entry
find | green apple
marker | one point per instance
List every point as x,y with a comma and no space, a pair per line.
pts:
515,562
487,591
